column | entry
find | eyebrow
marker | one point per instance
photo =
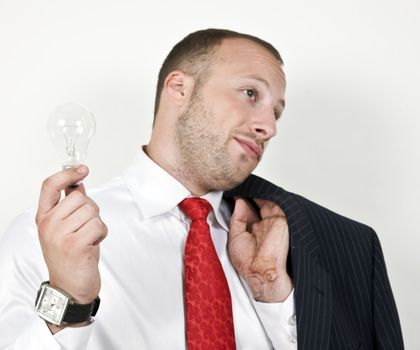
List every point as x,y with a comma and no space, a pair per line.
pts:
265,82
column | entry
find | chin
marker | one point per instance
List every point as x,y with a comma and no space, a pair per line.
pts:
229,176
227,184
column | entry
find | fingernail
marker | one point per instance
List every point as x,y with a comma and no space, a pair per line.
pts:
82,169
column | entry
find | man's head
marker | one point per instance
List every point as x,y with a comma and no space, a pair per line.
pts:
194,54
217,109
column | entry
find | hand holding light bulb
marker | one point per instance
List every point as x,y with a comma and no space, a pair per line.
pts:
70,229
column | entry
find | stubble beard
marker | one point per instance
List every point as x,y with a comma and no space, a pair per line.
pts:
202,153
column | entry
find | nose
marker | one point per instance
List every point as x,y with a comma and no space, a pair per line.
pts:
264,125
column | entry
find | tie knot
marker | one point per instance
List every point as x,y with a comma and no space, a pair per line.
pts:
195,208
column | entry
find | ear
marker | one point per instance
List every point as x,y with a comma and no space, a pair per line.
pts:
178,87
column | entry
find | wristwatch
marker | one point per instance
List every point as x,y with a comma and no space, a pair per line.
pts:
56,306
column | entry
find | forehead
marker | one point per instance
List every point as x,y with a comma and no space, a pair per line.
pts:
238,56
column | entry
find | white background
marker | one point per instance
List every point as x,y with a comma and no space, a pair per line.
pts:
349,137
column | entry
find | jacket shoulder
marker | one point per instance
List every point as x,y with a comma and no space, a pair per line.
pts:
328,225
321,215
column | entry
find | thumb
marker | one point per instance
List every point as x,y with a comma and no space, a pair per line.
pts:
52,186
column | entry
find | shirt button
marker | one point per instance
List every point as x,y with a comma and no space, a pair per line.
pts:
293,340
292,320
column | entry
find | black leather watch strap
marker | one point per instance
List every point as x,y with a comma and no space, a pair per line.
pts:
76,313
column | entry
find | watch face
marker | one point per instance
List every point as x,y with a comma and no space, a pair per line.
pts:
51,305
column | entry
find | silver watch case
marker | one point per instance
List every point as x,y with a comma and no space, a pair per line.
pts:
52,304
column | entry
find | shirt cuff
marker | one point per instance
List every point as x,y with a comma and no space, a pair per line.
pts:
37,337
279,321
74,338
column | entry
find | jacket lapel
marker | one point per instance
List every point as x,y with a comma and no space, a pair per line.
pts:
313,298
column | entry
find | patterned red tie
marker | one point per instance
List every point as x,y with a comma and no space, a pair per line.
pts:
208,302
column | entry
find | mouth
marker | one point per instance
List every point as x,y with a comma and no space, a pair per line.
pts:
251,148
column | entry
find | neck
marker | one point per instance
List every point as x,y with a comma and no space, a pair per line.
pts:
162,156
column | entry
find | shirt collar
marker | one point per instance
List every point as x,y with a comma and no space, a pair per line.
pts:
156,192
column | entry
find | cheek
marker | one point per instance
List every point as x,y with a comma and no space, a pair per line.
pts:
230,115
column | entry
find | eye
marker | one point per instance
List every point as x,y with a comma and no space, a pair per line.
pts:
252,93
276,115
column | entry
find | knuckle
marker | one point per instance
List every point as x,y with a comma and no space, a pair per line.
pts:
44,226
105,228
91,208
95,205
46,184
281,219
100,225
38,219
41,227
104,234
97,222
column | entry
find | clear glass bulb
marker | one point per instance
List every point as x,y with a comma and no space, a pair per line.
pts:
71,127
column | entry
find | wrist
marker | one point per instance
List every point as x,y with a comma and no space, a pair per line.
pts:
274,291
76,293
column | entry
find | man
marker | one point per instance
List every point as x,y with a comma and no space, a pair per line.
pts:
260,268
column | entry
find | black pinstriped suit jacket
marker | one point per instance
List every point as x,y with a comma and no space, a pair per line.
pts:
343,297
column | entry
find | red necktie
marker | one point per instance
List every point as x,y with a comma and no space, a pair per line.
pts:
208,302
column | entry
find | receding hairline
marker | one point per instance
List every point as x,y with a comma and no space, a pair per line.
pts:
248,40
212,55
215,52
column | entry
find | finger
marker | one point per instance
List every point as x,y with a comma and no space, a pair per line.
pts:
51,188
70,204
243,215
277,241
80,217
268,208
252,214
93,232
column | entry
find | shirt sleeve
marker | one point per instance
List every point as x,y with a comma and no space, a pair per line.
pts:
37,336
279,322
75,338
22,270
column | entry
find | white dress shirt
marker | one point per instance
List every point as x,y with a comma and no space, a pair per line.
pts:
141,266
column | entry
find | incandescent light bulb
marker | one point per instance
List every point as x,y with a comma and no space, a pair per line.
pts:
71,127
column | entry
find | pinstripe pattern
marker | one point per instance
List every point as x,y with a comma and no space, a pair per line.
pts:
342,293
